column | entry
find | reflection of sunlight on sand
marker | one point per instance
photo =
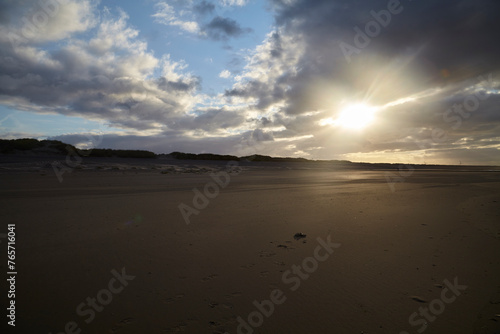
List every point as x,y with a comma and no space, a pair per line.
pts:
349,175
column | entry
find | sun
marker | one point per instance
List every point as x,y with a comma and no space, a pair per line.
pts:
356,116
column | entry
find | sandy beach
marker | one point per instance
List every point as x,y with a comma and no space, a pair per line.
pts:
108,250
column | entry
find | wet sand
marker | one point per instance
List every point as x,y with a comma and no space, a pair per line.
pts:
118,235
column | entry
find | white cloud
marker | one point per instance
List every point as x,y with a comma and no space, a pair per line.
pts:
225,74
109,77
233,2
113,35
47,21
166,15
270,69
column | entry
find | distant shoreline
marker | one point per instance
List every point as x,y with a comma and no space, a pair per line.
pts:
32,149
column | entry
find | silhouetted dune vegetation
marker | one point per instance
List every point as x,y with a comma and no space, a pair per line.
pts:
106,152
28,144
36,146
203,156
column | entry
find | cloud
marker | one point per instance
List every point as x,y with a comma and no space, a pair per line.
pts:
218,28
214,120
166,15
266,79
233,2
415,69
223,28
300,74
204,8
109,77
44,21
247,143
225,74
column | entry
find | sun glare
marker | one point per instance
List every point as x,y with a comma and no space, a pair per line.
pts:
356,116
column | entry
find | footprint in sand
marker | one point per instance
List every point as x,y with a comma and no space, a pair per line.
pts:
266,254
227,306
173,299
215,304
488,319
209,278
234,295
248,266
264,273
418,299
221,326
179,328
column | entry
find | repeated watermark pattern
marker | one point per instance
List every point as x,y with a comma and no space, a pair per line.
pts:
218,181
293,278
211,190
372,29
74,158
436,307
104,297
36,21
460,111
454,117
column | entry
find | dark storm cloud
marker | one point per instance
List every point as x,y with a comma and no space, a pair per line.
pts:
458,37
261,136
179,85
10,8
443,46
204,8
222,28
277,50
454,34
265,121
267,95
4,11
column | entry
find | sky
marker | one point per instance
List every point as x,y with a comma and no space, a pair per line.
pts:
362,80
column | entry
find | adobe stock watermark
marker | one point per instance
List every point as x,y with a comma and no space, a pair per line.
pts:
404,172
453,116
34,22
74,159
211,190
426,315
460,111
373,28
292,277
220,180
96,304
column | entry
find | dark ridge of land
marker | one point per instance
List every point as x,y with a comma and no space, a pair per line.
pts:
56,147
27,147
202,156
